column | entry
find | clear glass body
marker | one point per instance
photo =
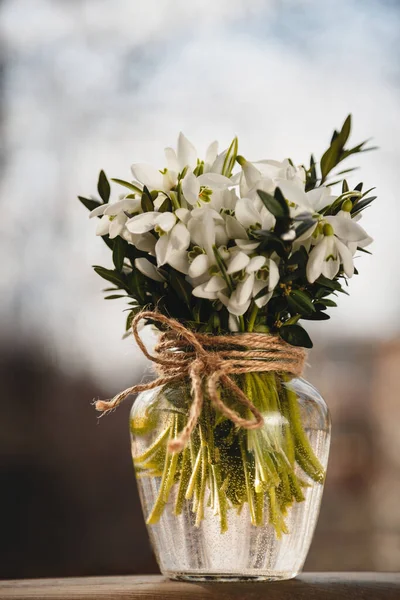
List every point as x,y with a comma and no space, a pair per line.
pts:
193,549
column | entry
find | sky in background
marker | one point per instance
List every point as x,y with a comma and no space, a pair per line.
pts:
90,84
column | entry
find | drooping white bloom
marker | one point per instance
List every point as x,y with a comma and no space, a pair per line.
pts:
115,216
147,268
204,221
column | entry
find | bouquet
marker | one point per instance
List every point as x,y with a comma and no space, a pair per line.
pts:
230,255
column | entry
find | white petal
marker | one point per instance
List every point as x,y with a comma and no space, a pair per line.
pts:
293,193
233,323
183,215
199,265
223,298
147,268
244,289
346,258
234,229
238,262
165,220
260,302
308,233
236,308
211,155
117,225
187,153
255,264
142,223
172,160
320,197
214,180
246,214
148,175
145,242
273,278
200,292
179,238
179,261
103,226
251,174
215,284
247,245
235,179
99,210
191,188
316,261
217,165
162,249
130,205
346,229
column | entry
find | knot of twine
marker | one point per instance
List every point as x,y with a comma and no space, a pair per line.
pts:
182,353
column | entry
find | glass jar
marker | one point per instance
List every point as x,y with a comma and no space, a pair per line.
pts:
235,504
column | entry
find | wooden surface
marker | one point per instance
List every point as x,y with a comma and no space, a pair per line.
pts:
308,586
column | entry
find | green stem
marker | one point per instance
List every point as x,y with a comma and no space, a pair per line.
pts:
252,318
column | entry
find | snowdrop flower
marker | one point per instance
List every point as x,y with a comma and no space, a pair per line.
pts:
345,213
331,249
115,216
153,179
327,256
147,268
200,189
174,237
253,214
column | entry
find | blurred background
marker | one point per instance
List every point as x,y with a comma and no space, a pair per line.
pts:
90,84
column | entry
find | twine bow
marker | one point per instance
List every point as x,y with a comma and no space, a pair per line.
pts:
183,353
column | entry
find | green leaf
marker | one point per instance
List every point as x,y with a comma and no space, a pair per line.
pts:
147,201
166,206
230,158
119,252
129,320
89,203
181,287
295,335
345,131
108,241
103,187
271,241
276,204
115,296
300,302
329,302
304,226
359,206
317,316
127,184
109,275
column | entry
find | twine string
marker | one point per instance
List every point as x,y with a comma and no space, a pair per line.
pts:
182,353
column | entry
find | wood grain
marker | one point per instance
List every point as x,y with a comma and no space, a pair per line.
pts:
308,586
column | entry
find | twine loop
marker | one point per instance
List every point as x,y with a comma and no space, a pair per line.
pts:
208,361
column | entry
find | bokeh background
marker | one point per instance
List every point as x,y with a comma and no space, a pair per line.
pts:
90,84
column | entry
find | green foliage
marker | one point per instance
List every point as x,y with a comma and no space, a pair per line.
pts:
103,187
294,299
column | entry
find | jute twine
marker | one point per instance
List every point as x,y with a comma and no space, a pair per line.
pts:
182,353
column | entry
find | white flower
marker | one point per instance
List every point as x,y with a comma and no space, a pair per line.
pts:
147,268
327,256
115,216
171,245
253,213
174,237
192,186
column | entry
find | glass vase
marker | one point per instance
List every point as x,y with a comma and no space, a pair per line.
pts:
234,504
